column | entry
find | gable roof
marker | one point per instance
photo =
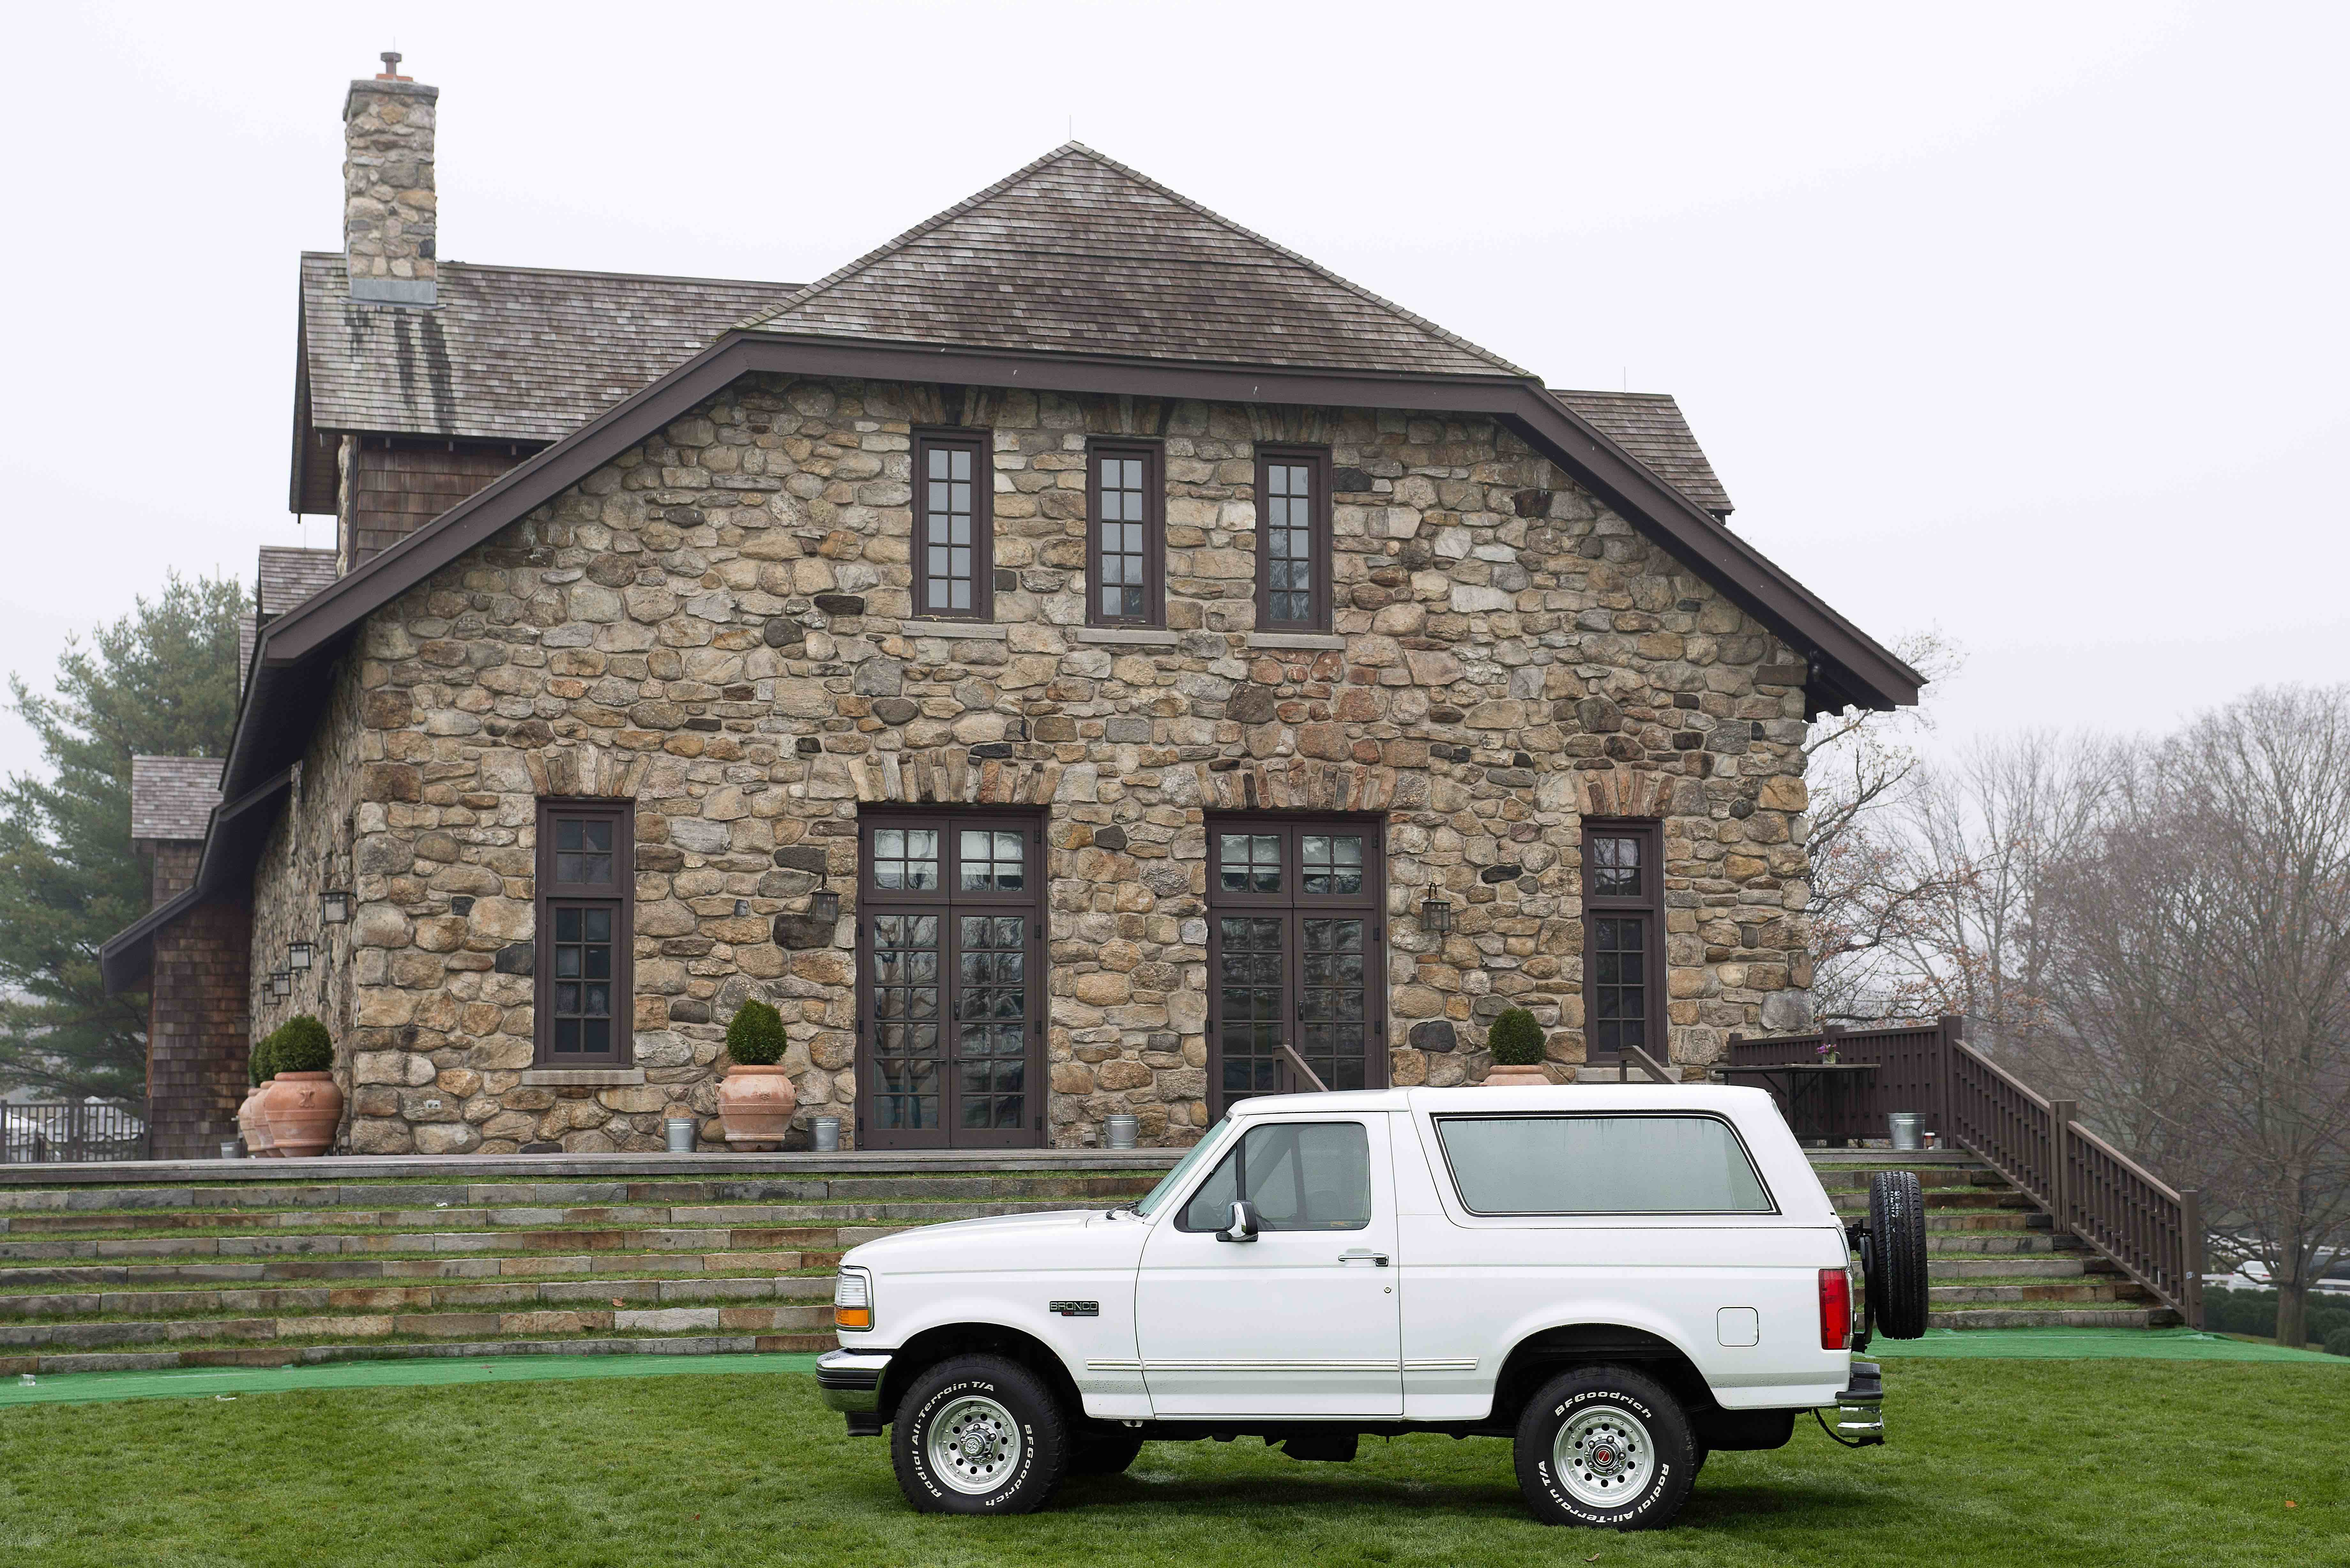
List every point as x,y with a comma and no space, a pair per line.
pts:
510,353
171,798
1076,253
1650,426
290,574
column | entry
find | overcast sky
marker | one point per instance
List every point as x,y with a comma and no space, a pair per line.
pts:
2026,322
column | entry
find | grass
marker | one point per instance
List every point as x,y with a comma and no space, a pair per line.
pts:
2032,1464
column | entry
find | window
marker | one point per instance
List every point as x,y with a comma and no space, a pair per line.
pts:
1293,539
1299,1176
950,1006
1126,547
1600,1164
587,885
1295,952
954,554
1622,939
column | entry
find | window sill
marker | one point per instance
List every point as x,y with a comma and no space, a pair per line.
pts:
582,1077
1126,636
982,630
1318,640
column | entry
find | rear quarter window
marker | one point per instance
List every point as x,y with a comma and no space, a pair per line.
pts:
1662,1164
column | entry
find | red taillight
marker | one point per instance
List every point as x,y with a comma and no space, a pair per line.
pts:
1835,1310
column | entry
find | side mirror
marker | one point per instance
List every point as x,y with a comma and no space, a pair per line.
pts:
1244,1225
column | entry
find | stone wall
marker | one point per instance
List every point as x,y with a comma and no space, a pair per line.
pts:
390,211
717,626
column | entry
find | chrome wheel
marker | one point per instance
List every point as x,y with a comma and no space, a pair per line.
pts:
1604,1457
974,1445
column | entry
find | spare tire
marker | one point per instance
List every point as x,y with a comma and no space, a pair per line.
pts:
1896,1254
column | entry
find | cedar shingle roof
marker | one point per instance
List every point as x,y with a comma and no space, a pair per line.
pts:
1650,426
1079,253
290,574
511,353
172,797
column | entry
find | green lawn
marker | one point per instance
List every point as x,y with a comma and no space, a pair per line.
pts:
2035,1463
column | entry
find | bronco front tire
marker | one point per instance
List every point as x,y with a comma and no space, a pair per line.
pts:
1605,1447
979,1433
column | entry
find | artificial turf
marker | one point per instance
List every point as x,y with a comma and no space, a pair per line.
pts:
2036,1464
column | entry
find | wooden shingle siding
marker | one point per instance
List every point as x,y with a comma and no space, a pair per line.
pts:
398,491
197,1029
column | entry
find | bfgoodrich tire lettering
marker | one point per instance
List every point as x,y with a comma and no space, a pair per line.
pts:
1009,1416
1648,1448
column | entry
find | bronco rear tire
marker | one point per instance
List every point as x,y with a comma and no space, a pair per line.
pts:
1606,1448
1896,1254
979,1433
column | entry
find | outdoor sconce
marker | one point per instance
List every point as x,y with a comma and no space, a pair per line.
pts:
281,983
1436,915
823,906
335,907
297,955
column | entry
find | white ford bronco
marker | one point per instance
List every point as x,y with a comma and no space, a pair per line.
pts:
1619,1278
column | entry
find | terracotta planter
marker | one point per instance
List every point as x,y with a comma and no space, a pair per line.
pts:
302,1109
1501,1077
249,1123
756,1104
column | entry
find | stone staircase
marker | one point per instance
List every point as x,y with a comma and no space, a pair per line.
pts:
1993,1258
269,1262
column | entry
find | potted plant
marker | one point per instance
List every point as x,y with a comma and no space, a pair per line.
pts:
303,1107
1516,1042
248,1115
756,1100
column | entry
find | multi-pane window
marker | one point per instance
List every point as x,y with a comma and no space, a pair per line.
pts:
951,1005
952,554
1125,546
1622,939
1295,945
1292,540
586,891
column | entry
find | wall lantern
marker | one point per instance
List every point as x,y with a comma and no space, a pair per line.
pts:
336,907
297,956
1436,915
281,983
823,906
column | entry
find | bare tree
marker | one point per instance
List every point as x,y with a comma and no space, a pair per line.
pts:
2202,938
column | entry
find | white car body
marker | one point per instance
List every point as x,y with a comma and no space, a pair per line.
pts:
1410,1320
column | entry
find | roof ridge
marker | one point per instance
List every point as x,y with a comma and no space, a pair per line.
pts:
1078,149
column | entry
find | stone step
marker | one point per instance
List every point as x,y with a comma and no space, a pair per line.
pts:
266,1354
1841,1181
253,1223
538,1324
1080,1190
2028,1267
1942,1200
158,1276
1987,1244
1991,1292
275,1300
2053,1317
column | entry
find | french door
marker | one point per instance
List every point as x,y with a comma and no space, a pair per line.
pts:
1296,952
951,1003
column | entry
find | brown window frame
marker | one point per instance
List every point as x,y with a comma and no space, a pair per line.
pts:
982,446
549,894
1319,542
1650,904
947,902
1294,903
1154,531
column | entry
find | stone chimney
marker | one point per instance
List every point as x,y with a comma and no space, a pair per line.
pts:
389,210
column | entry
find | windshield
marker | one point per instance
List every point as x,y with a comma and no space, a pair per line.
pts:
1174,1180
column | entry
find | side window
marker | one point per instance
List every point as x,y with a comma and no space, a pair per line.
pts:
1293,539
1301,1176
1600,1164
1126,544
954,557
586,888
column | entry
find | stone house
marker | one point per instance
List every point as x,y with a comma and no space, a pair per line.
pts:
1061,660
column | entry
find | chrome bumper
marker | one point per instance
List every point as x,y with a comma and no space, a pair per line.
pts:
1860,1407
850,1380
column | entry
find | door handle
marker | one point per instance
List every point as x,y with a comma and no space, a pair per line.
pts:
1364,1255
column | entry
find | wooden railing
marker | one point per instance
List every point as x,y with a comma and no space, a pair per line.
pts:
2121,1210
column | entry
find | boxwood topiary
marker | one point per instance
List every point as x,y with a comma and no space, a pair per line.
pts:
755,1037
260,1061
303,1047
1515,1039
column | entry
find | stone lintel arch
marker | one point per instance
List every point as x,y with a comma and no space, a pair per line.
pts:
584,770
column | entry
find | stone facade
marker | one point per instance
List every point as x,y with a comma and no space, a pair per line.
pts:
390,211
718,627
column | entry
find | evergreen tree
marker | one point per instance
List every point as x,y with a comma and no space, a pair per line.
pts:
160,682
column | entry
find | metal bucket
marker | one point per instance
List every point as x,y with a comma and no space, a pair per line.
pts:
683,1131
1906,1129
1121,1131
827,1135
232,1149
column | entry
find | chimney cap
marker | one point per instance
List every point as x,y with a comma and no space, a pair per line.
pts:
391,72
